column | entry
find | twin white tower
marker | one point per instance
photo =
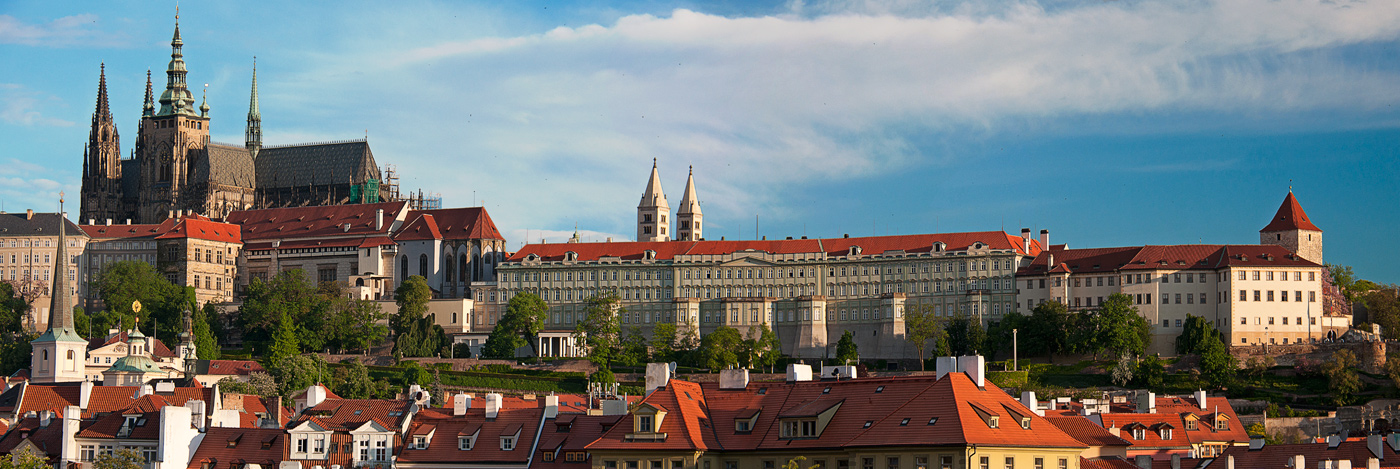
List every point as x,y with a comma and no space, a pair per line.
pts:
653,213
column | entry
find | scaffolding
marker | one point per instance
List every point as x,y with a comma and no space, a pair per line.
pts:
390,186
421,201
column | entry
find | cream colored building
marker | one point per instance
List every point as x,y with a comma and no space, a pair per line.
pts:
1255,294
28,244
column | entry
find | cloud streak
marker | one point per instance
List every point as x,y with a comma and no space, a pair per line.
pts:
68,31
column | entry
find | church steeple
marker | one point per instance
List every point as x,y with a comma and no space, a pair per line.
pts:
148,106
252,138
101,160
689,217
652,211
177,98
60,353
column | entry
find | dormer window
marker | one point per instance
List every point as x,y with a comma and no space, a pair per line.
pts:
1139,433
1222,423
800,428
507,443
854,251
1191,424
649,254
994,422
571,256
464,443
1026,423
420,442
645,424
1165,433
646,421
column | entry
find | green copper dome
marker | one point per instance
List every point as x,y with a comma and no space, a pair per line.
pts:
136,363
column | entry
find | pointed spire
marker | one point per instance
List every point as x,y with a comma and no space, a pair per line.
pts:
177,97
148,106
252,137
1290,217
654,196
690,202
103,110
61,309
204,105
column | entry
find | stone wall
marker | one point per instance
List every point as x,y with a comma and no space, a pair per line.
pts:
1371,354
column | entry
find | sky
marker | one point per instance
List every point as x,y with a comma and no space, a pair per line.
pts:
1109,123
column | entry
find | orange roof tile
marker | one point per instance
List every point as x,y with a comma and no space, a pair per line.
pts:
1290,216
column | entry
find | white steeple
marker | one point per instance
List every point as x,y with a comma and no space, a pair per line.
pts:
689,217
653,211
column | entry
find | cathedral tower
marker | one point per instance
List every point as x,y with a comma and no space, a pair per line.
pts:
60,355
1292,229
688,217
102,170
252,137
653,210
171,144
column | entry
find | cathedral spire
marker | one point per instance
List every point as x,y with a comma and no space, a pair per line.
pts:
252,138
689,217
148,106
177,98
103,110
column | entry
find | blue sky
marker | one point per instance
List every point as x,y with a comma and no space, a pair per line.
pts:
1108,123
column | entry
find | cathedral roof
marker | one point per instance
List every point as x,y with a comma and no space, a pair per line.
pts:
315,164
226,164
1290,216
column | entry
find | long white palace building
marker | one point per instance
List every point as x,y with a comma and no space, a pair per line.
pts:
810,291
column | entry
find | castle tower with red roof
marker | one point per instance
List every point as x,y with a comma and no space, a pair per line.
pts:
653,210
1292,229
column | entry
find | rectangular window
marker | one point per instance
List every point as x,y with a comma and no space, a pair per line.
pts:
1270,295
892,462
1243,295
1257,296
1010,462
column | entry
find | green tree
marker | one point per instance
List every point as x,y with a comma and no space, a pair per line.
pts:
12,309
413,373
412,299
121,459
206,345
25,458
1342,378
353,382
1123,371
633,350
599,331
663,342
1151,372
266,302
296,373
1383,305
259,384
1194,333
15,352
1118,328
719,349
920,327
761,347
1217,365
846,349
522,321
1049,331
965,335
285,343
603,375
162,303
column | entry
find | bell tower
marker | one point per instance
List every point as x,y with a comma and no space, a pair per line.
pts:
688,217
171,142
60,354
653,211
1292,229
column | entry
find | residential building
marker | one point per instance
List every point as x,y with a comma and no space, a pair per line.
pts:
1159,428
341,243
493,436
28,259
200,253
1372,451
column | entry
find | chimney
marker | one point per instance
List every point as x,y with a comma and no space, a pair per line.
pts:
658,376
1376,443
128,221
109,222
1299,461
734,379
1256,442
1344,464
945,365
799,372
1146,402
197,410
1028,399
29,214
1371,463
379,219
315,395
551,406
45,417
1144,461
614,407
72,419
1201,398
1176,461
169,214
413,390
1026,239
92,221
175,428
460,404
275,413
1045,239
976,368
493,405
1230,461
1393,439
1113,428
85,393
1333,441
144,390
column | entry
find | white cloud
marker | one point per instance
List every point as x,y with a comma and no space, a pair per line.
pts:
63,32
559,126
20,105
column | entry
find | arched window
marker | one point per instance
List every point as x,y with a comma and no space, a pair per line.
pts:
403,268
423,265
447,264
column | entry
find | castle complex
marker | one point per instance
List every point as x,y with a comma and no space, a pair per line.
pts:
176,169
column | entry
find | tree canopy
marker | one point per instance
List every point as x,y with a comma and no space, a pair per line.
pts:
326,315
920,327
518,326
599,331
162,303
846,349
1049,329
1117,328
719,349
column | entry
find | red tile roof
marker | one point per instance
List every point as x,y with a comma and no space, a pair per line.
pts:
234,367
1172,257
1290,216
158,348
571,433
222,446
418,229
487,448
318,221
1313,453
349,414
147,426
666,250
457,223
49,439
204,229
686,425
1108,463
1087,432
103,232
